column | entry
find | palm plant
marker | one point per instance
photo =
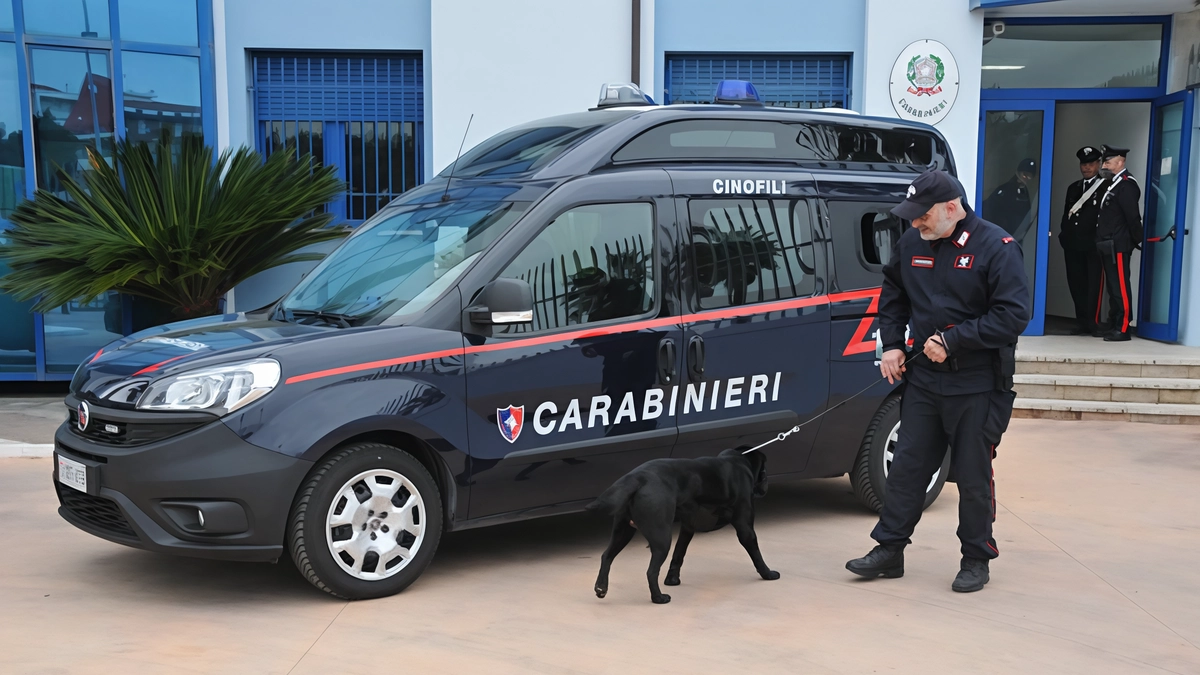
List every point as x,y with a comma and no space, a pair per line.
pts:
169,224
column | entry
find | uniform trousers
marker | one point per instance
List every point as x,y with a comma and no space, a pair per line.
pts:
1083,278
1116,282
971,424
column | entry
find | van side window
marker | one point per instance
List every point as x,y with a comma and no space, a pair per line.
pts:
751,250
591,263
863,236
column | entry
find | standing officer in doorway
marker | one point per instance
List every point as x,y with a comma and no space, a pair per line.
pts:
1078,239
960,281
1118,232
1010,206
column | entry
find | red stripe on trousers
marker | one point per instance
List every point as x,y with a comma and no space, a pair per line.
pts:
1124,295
1100,297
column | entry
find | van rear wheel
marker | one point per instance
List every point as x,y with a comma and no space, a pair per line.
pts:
366,522
869,476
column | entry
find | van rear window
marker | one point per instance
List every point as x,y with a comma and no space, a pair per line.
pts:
797,141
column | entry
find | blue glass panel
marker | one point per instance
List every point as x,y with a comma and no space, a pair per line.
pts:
72,109
1100,55
17,345
161,90
76,330
6,15
170,22
69,18
12,151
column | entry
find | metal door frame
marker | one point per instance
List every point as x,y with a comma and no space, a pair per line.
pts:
1168,332
1037,324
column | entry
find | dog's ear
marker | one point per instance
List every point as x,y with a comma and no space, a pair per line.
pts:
759,461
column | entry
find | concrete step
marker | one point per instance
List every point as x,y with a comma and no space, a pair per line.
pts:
1113,411
1120,389
1101,367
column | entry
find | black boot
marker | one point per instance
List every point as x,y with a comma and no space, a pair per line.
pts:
1117,336
885,561
972,575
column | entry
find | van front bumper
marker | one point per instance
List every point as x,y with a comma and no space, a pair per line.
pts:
203,493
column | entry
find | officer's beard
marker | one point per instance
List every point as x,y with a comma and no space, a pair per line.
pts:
939,228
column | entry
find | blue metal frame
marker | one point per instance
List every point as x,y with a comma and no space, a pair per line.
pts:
993,4
1168,332
1037,325
114,46
1114,94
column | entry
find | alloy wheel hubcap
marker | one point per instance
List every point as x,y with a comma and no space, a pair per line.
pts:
375,525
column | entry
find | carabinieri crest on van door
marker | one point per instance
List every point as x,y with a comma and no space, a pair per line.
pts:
510,420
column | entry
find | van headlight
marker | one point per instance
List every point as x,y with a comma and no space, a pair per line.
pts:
219,390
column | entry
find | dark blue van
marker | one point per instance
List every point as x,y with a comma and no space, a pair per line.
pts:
582,294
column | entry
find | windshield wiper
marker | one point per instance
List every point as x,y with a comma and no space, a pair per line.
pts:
342,320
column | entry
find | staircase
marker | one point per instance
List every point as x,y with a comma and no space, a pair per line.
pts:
1083,378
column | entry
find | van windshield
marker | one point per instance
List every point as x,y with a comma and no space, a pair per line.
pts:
398,264
530,147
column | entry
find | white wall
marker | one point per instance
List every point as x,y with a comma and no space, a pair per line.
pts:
1189,301
891,26
1124,125
514,61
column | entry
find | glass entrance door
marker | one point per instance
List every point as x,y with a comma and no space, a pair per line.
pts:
1013,184
1166,210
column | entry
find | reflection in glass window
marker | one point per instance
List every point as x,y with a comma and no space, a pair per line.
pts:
6,15
747,251
592,263
72,109
69,18
170,22
12,145
161,91
75,330
1100,55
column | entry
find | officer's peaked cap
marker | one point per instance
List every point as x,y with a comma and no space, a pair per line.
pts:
930,188
1109,152
1088,154
1027,165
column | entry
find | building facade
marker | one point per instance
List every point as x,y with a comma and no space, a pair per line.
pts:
384,91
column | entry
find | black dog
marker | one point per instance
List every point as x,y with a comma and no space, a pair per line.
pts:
703,494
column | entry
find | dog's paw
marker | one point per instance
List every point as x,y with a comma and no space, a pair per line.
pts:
771,575
662,599
601,592
671,580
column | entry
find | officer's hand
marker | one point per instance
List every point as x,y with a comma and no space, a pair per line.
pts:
892,365
935,350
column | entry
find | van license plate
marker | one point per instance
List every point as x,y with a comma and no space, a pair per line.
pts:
72,473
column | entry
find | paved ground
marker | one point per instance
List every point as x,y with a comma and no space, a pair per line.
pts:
1098,575
28,421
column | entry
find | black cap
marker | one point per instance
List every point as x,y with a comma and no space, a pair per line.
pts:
1109,152
1027,165
1088,154
930,188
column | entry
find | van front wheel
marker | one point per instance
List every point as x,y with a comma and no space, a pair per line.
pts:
869,476
366,522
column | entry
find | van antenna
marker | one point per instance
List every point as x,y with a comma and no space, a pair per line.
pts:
446,194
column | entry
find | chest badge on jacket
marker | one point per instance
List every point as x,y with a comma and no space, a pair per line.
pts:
922,261
964,262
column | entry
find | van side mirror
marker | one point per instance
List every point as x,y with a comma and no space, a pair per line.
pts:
502,302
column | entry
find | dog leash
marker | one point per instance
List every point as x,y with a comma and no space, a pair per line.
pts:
789,432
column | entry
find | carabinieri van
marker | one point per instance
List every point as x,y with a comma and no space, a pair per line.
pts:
569,299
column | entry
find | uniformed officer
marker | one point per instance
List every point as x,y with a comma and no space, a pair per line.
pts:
1118,232
1078,239
960,281
1009,205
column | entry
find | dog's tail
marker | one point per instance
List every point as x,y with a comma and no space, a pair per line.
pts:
616,498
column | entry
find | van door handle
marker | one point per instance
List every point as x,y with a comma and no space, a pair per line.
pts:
696,357
666,361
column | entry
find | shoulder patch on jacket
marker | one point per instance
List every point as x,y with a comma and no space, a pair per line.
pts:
1006,240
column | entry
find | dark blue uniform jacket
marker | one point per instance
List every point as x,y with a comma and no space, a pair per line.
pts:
972,286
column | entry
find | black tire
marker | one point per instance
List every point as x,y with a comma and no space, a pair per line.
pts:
307,534
869,476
